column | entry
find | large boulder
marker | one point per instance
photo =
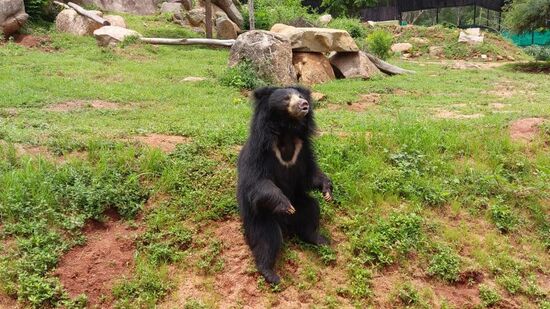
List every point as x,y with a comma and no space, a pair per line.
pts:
141,7
12,16
353,65
229,7
401,47
317,39
312,68
471,36
196,17
226,29
70,21
269,53
115,20
112,35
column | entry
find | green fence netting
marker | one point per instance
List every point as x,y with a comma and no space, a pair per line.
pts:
529,38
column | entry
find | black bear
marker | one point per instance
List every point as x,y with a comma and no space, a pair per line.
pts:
276,170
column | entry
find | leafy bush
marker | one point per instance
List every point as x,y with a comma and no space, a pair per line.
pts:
445,264
489,297
36,8
379,43
540,53
242,76
351,25
389,239
268,13
408,295
503,217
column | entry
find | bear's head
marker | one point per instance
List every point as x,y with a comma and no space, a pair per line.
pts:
292,101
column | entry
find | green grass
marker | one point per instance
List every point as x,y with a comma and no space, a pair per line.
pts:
413,191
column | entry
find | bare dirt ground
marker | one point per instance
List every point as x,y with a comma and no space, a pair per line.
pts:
166,143
237,284
525,129
107,256
78,105
365,102
447,114
41,42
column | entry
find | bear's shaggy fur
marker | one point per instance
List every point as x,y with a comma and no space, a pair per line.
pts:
276,170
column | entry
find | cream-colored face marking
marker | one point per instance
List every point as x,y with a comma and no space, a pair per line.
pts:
293,106
297,149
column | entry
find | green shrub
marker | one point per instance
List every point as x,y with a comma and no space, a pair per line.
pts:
445,264
379,43
268,13
489,297
36,8
389,239
504,217
408,294
242,76
352,25
540,53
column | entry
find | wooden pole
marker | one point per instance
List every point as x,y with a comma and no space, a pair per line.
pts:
251,15
62,4
208,21
165,41
80,10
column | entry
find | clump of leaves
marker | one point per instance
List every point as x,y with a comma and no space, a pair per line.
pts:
540,53
379,43
242,76
408,295
360,281
489,297
389,239
504,217
445,264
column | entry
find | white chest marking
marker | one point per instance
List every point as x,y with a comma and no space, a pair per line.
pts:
297,149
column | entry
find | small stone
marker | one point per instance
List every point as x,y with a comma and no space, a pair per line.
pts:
325,19
115,20
500,58
484,57
318,96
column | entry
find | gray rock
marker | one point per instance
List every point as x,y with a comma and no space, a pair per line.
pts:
353,65
325,19
229,7
471,36
312,68
70,21
196,17
112,35
115,20
171,7
316,39
141,7
436,51
269,53
401,47
187,4
226,29
12,16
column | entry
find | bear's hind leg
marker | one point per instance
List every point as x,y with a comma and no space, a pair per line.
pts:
265,240
306,221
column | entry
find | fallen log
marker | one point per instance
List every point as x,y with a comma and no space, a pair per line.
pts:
386,67
62,4
212,42
88,14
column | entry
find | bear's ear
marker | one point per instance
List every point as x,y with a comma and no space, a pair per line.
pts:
261,93
304,91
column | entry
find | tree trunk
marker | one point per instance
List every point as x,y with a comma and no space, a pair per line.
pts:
386,67
211,42
80,10
251,15
208,18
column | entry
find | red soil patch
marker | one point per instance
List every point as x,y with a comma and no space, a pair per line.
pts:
107,256
525,129
365,102
166,143
76,105
41,42
237,284
7,302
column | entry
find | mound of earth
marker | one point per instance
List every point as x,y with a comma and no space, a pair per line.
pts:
166,143
77,105
107,256
525,129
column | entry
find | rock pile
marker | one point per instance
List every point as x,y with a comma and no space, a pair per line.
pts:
286,55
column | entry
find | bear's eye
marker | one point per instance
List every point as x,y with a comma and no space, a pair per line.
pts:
287,97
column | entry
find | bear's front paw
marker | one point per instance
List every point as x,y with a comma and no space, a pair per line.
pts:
285,208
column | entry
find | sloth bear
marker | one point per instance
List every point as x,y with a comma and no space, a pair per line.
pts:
276,169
